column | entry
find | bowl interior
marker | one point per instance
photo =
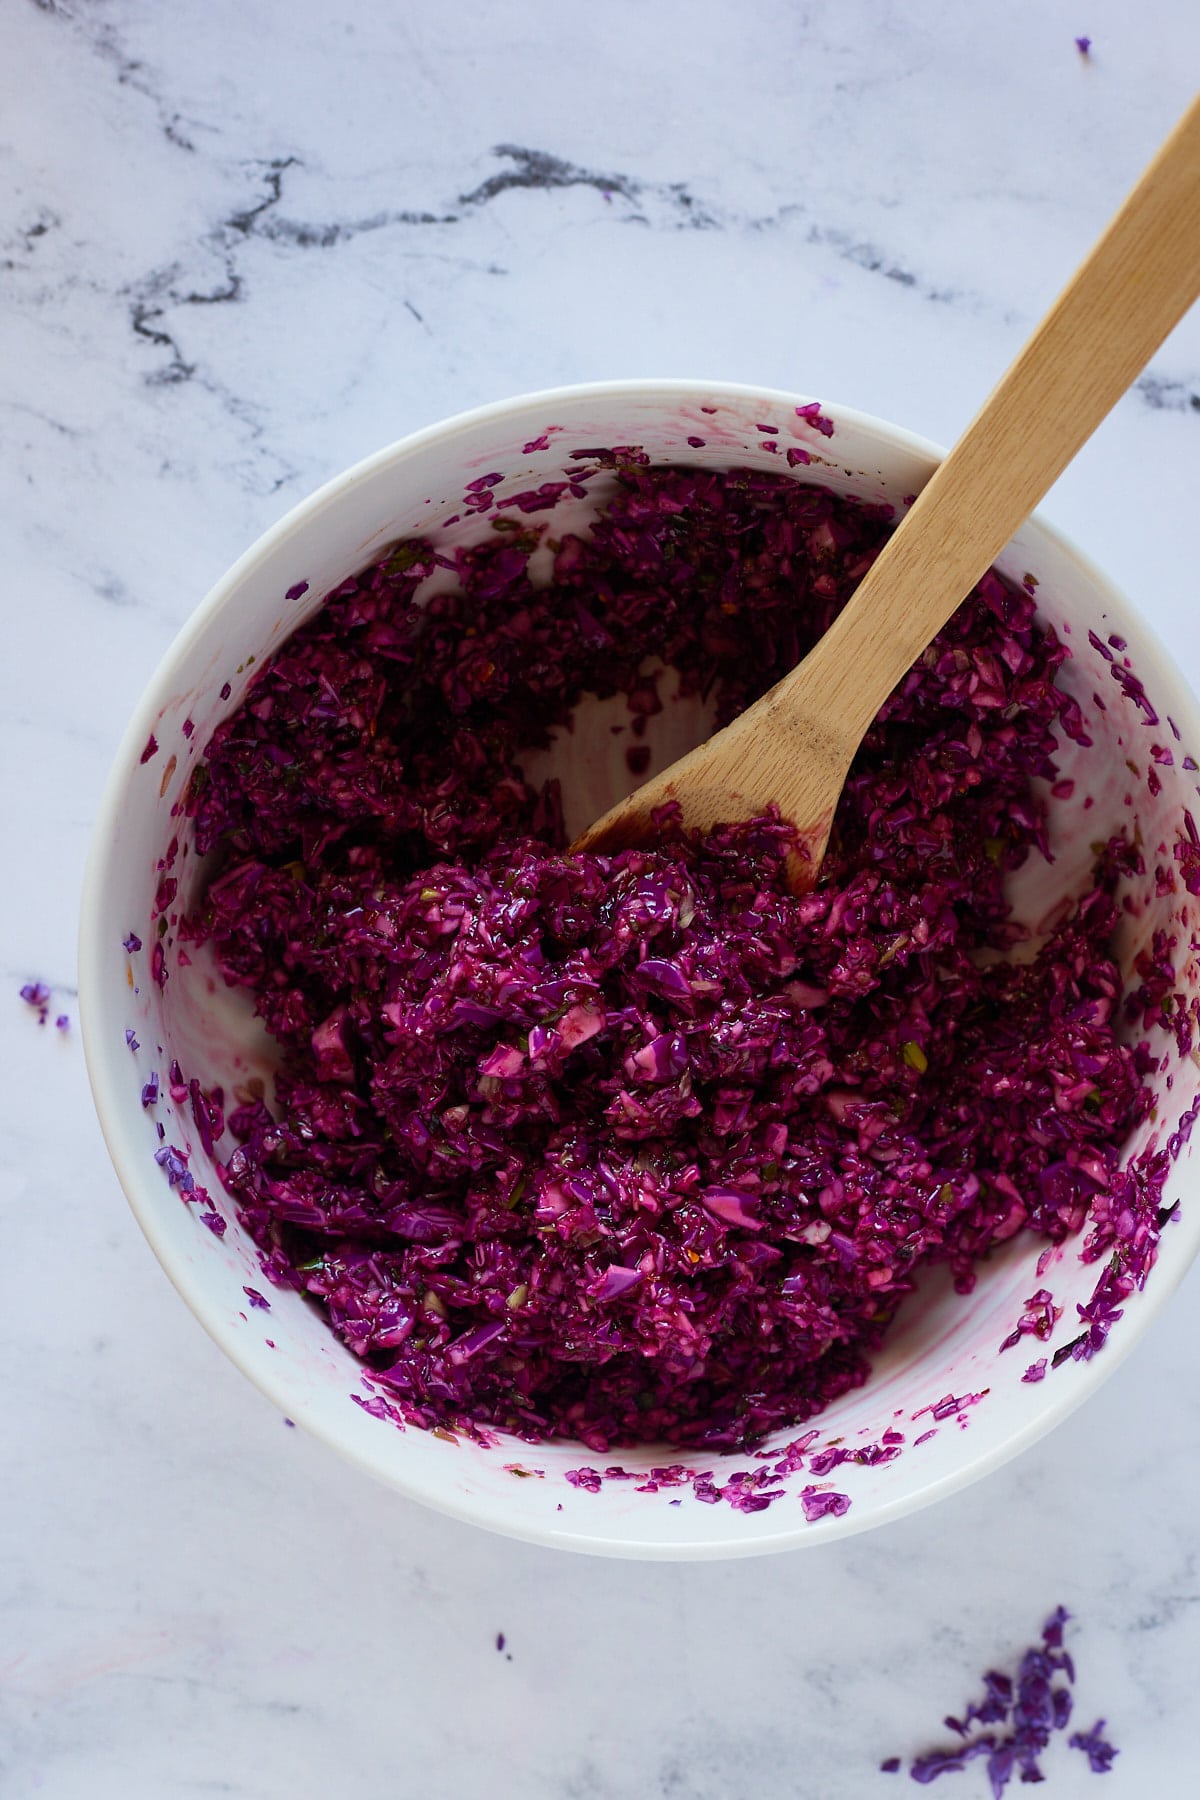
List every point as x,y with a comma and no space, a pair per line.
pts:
1137,776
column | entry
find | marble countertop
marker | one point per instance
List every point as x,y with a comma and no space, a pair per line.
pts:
241,245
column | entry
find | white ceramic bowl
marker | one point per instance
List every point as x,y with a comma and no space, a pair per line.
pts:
943,1345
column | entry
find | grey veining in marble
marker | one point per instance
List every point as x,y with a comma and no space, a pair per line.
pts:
241,245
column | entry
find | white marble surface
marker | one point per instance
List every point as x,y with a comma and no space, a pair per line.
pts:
242,244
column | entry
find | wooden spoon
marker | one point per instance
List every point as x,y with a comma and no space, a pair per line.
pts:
792,749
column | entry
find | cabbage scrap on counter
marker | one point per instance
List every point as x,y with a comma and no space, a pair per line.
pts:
643,1147
1019,1714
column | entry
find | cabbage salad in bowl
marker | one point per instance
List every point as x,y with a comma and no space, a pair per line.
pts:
642,1147
573,1194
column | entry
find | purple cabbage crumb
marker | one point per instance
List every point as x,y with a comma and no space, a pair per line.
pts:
820,1505
1098,1752
36,994
813,415
173,1163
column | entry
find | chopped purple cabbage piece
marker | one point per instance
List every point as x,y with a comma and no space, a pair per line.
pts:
173,1164
1098,1752
36,994
944,1762
815,417
821,1505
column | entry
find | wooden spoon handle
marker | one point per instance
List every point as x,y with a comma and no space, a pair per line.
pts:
1136,284
793,747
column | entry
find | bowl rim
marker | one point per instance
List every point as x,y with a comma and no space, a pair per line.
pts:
111,1096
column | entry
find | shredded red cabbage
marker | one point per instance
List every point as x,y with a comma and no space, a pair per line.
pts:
643,1147
1032,1704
